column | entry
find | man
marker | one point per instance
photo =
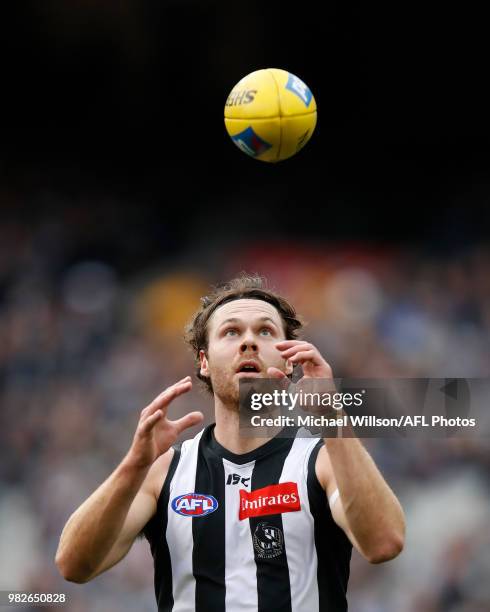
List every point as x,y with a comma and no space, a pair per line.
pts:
238,523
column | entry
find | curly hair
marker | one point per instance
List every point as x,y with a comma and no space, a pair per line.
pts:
243,287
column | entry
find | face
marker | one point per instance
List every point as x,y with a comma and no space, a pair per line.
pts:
241,343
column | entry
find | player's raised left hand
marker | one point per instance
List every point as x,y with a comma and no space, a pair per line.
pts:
317,373
304,353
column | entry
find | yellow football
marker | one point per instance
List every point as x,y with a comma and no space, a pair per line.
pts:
270,114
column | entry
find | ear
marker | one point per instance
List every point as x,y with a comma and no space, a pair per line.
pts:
204,364
289,367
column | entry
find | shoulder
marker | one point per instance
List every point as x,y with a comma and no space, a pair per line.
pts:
324,471
317,466
162,469
157,474
303,453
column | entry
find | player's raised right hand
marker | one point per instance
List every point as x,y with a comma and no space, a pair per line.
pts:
155,433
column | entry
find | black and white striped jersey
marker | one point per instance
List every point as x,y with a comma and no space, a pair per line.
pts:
250,532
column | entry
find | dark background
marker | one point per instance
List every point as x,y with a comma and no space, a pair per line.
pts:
115,110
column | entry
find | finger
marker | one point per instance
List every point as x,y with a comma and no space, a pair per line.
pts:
179,382
304,356
282,380
284,344
296,349
189,420
162,401
175,384
148,424
275,373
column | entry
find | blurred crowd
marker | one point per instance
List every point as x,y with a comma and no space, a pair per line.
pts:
85,345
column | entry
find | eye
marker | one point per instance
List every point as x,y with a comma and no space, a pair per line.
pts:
265,331
231,332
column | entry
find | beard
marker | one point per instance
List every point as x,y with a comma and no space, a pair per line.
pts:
225,387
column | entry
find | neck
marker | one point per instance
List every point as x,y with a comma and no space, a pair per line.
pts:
227,430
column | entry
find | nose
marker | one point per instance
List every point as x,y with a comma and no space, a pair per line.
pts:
248,345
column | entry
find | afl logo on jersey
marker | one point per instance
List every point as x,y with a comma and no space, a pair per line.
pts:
194,504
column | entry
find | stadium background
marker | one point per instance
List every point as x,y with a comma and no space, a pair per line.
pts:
122,199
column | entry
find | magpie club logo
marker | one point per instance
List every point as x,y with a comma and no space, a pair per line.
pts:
268,541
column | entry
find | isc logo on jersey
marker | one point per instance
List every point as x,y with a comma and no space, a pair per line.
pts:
194,504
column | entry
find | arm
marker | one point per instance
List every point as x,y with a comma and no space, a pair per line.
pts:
101,531
366,508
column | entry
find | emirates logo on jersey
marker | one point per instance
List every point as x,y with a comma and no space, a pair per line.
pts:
274,499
